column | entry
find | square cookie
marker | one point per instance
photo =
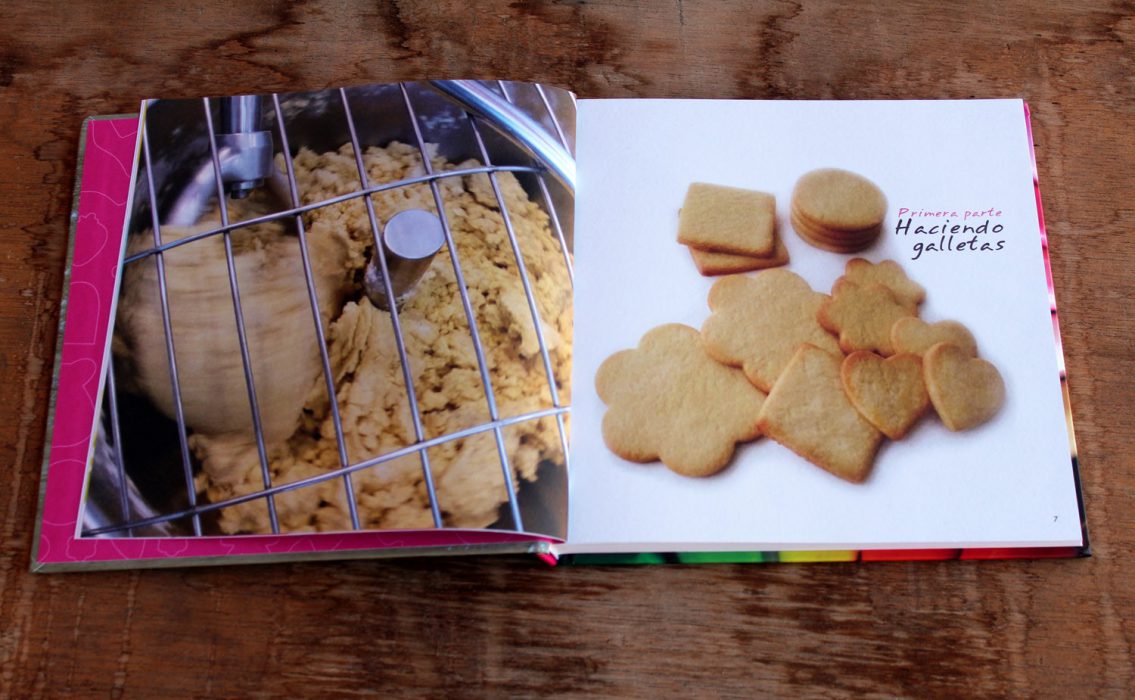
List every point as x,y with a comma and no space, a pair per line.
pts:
728,220
809,413
711,264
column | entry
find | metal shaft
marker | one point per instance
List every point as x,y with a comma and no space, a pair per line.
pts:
249,148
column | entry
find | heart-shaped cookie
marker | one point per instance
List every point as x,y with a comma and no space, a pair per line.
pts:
966,391
889,393
916,336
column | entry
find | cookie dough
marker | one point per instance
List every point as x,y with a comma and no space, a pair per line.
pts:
375,413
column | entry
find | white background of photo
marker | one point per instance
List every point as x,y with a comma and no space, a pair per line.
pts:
1008,482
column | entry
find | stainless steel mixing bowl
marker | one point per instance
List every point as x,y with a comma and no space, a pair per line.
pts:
141,483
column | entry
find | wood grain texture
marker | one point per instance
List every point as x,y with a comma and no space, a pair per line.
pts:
484,627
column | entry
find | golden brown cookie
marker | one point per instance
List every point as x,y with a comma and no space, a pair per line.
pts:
839,200
862,316
848,236
916,336
728,220
889,393
758,322
890,275
965,391
844,243
809,413
834,242
668,400
839,248
710,263
837,210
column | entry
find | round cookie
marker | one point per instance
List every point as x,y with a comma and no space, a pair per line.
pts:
837,210
834,245
839,200
837,241
802,224
836,236
834,233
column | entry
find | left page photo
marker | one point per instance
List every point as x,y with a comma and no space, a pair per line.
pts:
342,316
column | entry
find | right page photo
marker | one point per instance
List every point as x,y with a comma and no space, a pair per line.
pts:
814,325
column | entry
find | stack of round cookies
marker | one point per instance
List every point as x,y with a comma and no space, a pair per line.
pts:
838,210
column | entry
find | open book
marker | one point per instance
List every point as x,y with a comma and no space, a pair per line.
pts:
473,317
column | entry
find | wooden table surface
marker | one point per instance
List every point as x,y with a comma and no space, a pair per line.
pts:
484,625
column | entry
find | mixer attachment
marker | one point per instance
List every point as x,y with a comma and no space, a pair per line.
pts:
189,173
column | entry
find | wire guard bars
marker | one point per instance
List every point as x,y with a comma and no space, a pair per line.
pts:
134,520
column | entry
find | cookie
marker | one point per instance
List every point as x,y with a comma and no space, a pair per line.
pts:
889,393
837,242
834,234
913,335
964,390
759,321
668,400
710,263
839,200
809,413
889,274
728,220
837,210
841,248
862,316
805,226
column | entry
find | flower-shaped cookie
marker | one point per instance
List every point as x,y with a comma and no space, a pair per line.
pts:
890,275
759,322
669,400
862,315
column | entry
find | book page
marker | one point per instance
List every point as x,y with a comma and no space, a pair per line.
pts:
370,330
1007,481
